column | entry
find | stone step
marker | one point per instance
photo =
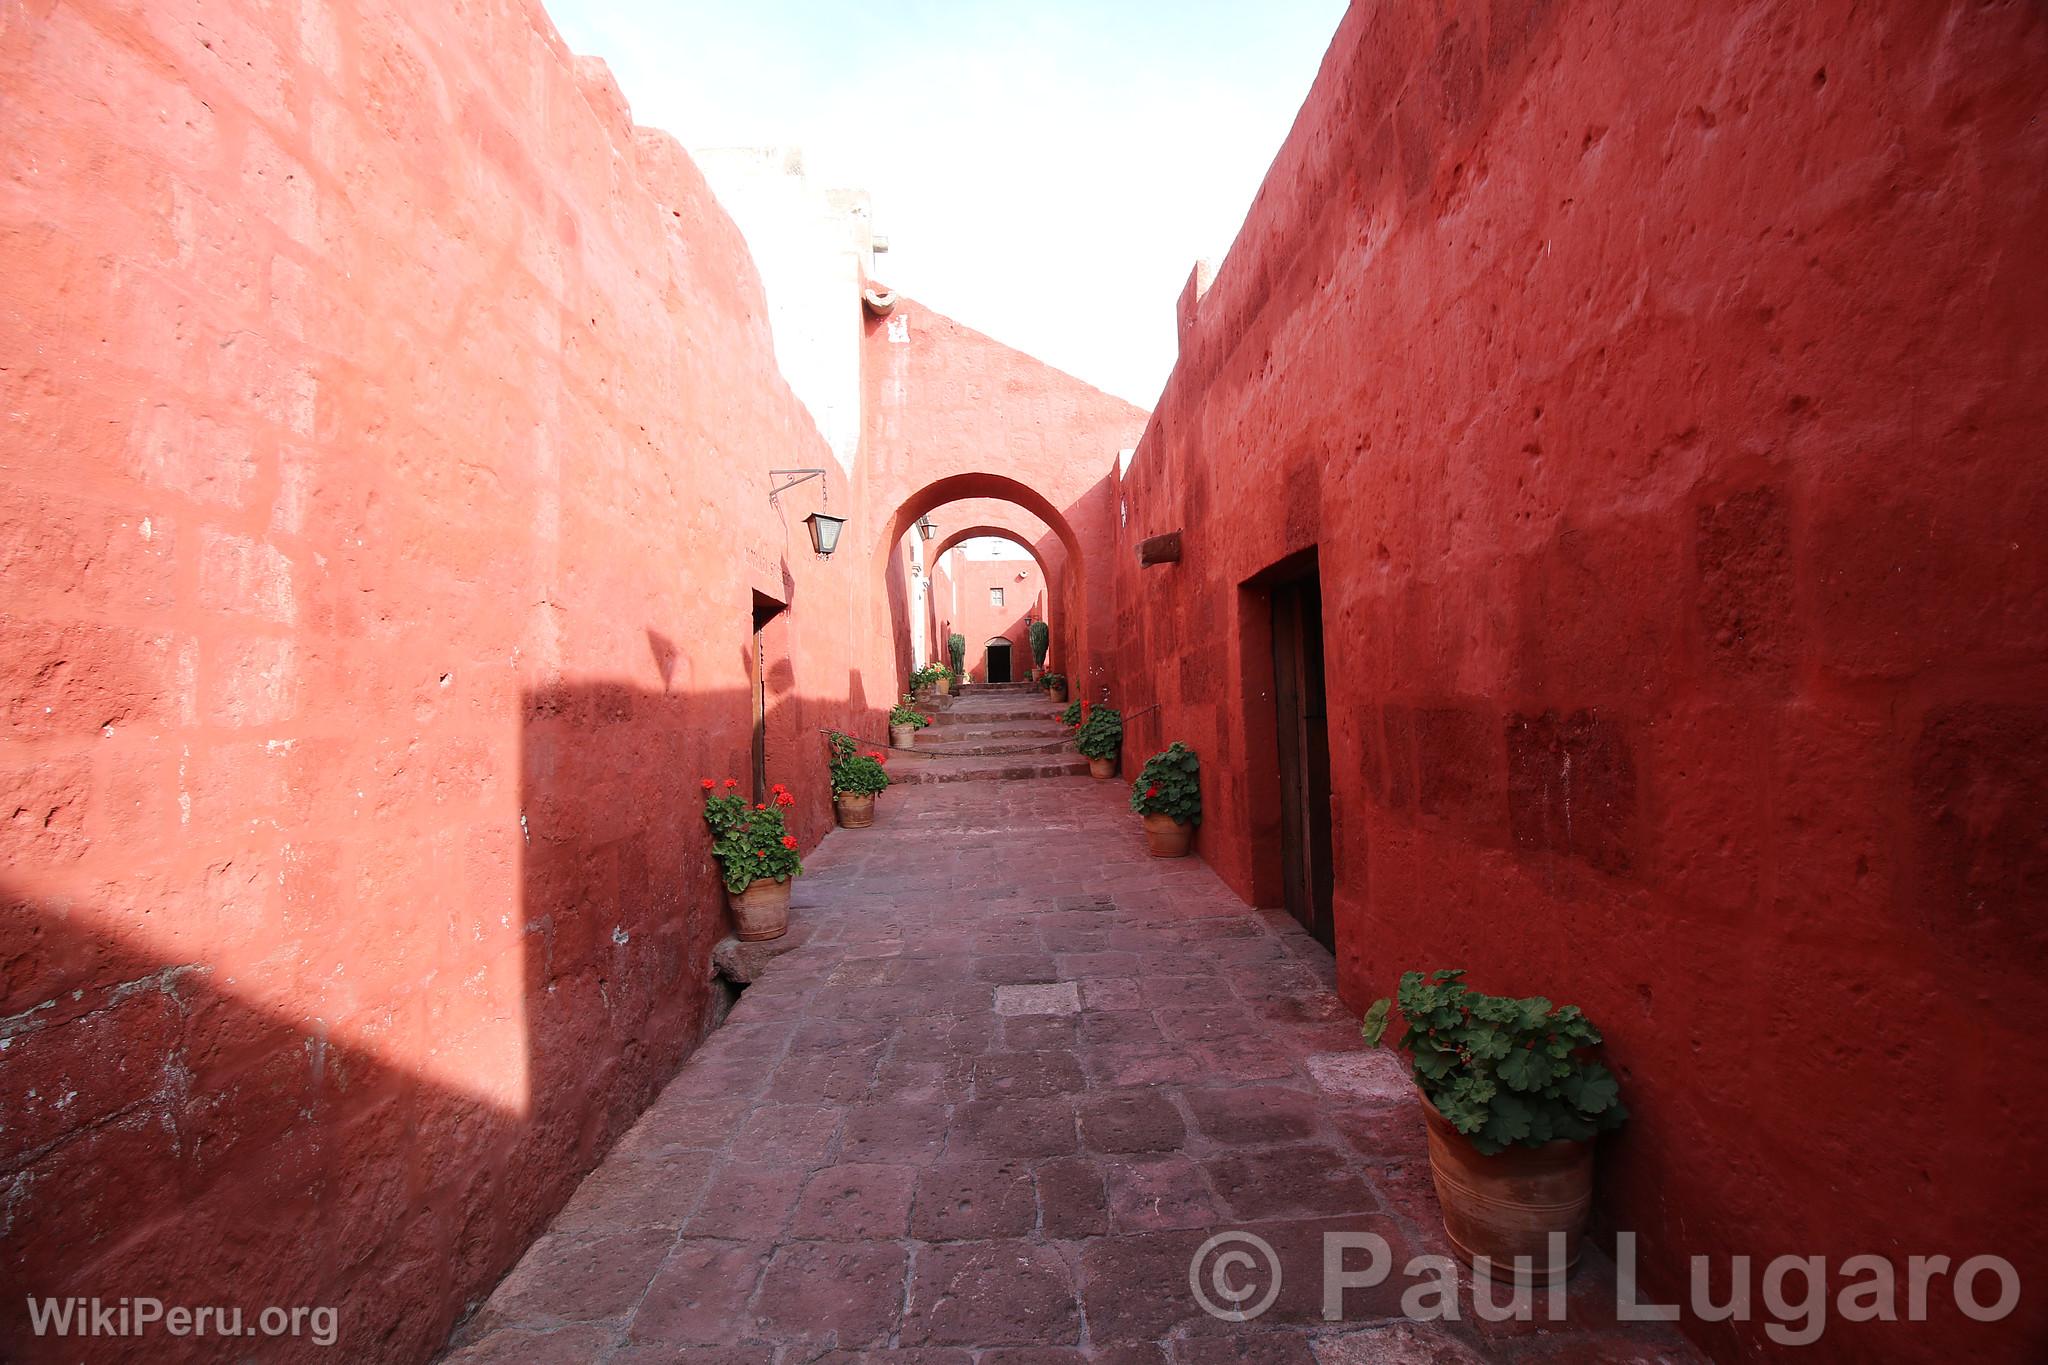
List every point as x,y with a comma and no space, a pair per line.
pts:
981,733
984,747
986,769
965,713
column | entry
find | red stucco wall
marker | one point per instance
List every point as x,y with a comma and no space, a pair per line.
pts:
1662,390
384,502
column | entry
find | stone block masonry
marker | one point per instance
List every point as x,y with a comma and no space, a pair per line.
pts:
384,436
1659,388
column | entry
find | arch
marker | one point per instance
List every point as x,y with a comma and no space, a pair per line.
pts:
957,488
952,542
1066,608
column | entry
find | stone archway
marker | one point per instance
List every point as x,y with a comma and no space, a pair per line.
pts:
1051,572
1066,599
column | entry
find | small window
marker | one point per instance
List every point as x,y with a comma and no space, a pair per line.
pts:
995,597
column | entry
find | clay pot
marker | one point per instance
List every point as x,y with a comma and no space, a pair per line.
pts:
902,736
762,910
854,812
1058,695
1102,767
944,686
1166,837
1507,1205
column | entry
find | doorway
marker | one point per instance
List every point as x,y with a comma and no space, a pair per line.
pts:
1302,729
766,611
998,667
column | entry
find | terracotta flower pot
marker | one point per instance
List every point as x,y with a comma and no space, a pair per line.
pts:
854,812
1507,1205
1058,695
944,686
902,736
762,910
1102,767
1166,837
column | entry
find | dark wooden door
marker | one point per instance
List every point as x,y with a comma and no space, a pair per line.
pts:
998,662
1303,730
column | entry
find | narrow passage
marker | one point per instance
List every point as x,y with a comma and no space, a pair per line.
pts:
955,1120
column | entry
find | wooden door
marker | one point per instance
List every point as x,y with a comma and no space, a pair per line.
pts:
1302,727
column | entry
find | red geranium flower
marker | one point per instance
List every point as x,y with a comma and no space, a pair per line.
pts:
709,784
761,806
789,841
1151,791
760,853
784,799
732,781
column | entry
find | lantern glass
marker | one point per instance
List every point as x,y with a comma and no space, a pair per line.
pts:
824,532
925,528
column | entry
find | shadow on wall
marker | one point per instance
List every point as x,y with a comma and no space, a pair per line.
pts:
213,1134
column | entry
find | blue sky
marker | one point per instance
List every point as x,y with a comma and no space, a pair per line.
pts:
1046,173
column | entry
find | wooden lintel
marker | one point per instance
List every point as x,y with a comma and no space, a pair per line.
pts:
1160,549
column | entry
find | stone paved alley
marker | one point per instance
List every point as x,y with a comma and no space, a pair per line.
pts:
1014,1075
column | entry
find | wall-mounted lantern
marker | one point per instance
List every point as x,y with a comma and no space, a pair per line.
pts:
824,527
824,533
925,527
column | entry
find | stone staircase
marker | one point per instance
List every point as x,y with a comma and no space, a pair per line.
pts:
991,731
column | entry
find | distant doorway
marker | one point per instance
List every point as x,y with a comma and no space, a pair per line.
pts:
766,613
998,661
1301,725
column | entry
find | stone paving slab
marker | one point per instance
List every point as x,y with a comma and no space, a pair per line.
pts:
1013,1077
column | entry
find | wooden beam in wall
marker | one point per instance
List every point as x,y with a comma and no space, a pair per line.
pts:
1159,549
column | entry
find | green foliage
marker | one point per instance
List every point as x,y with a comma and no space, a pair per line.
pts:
904,713
855,773
1053,682
1503,1071
1102,734
1072,714
929,674
1170,784
1040,635
956,649
751,841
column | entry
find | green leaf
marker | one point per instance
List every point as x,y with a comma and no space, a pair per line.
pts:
1507,1121
1593,1090
1524,1069
1375,1026
1433,1064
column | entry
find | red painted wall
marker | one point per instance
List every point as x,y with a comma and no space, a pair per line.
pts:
384,508
1662,392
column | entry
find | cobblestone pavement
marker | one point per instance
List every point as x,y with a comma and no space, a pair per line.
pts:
1016,1074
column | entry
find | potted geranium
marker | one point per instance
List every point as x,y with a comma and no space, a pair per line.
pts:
857,779
1100,738
1055,685
757,855
1168,793
905,720
1513,1103
1072,715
